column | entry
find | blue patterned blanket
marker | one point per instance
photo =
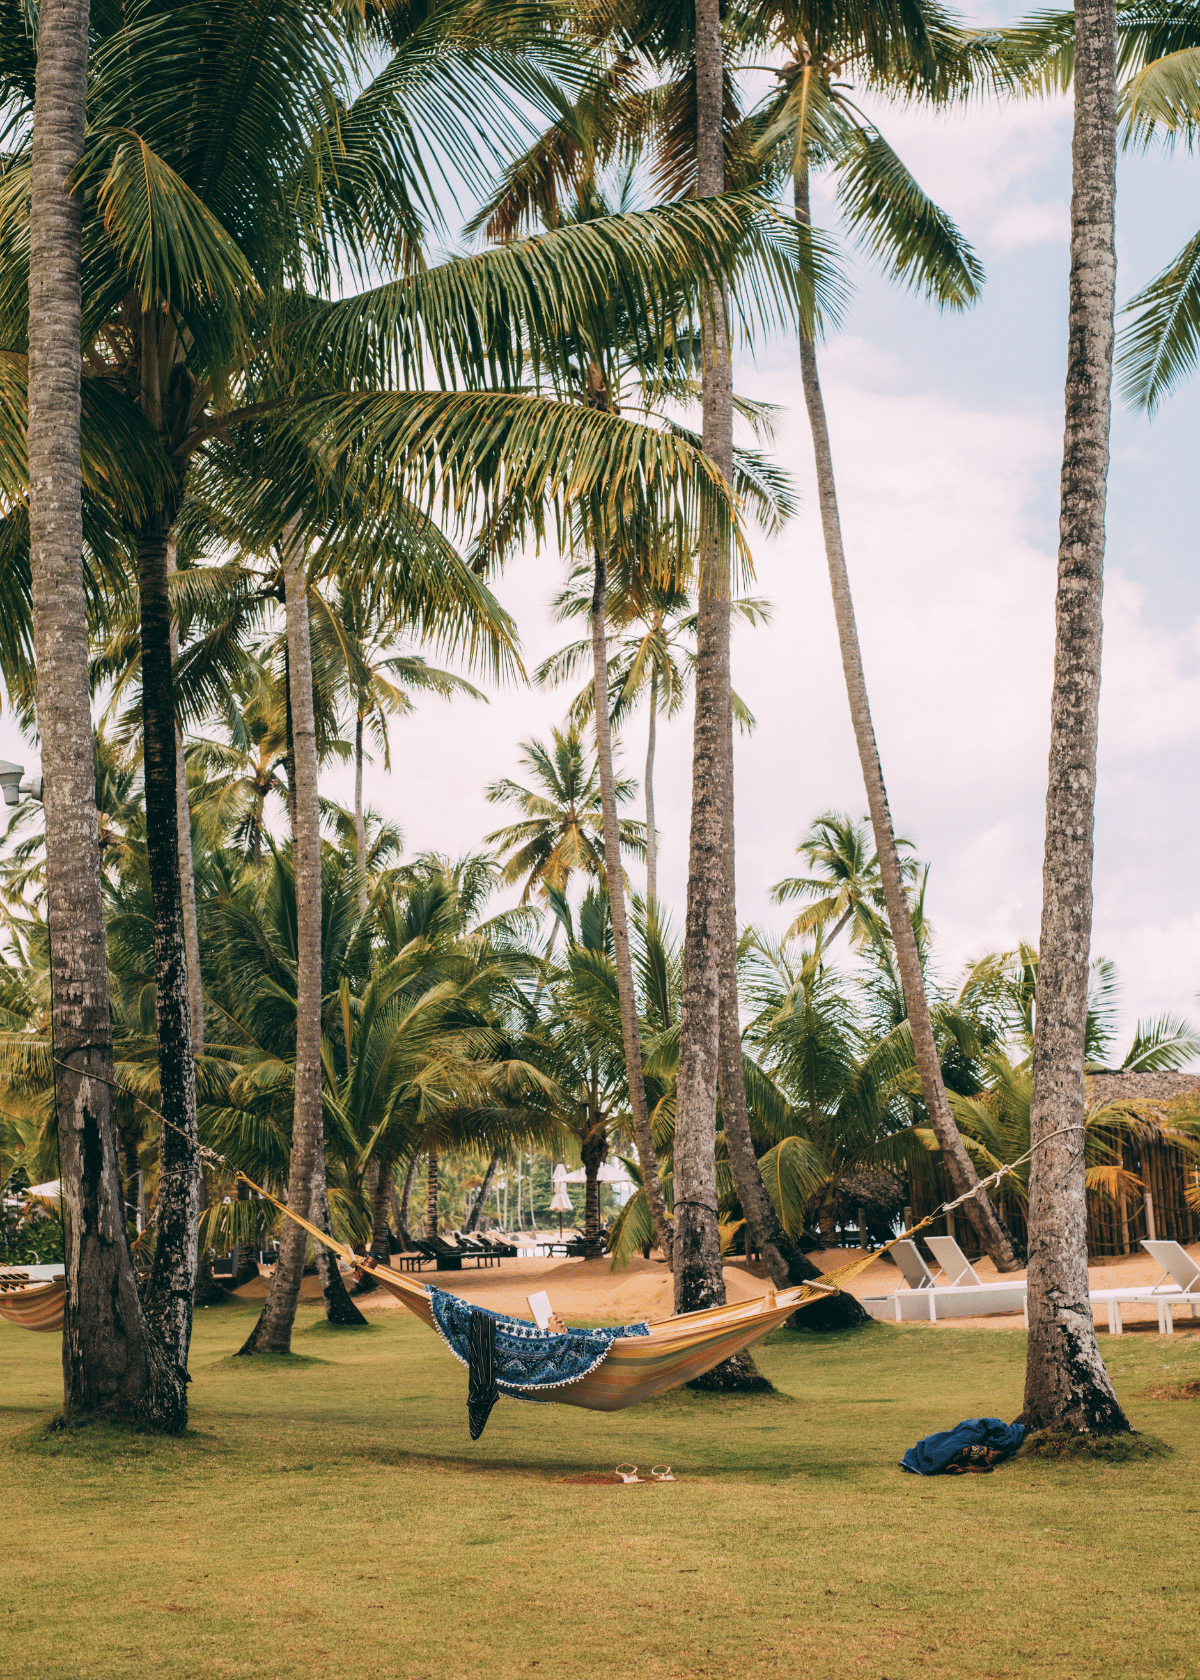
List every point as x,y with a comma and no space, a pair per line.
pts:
526,1357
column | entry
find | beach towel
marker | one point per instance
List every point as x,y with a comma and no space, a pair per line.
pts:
974,1444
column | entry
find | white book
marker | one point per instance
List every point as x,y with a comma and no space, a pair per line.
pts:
539,1306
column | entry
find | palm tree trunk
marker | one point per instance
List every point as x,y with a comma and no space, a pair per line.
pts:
403,1214
381,1243
208,1291
631,1038
593,1153
1066,1385
651,831
431,1197
485,1190
273,1332
991,1233
169,1295
339,1308
699,1281
111,1363
360,824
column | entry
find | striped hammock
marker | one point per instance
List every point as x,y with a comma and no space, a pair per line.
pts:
34,1306
636,1368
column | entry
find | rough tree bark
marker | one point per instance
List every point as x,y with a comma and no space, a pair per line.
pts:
170,1295
112,1364
484,1192
402,1214
431,1197
1066,1385
593,1154
273,1331
651,830
360,821
381,1242
988,1228
339,1308
631,1038
697,1259
207,1290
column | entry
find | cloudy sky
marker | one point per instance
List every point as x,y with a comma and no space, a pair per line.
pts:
947,441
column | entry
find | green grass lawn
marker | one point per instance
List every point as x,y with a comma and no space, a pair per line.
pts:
329,1516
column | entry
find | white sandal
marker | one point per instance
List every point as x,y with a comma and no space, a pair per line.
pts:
662,1473
632,1475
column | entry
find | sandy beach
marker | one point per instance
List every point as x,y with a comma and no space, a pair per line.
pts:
589,1290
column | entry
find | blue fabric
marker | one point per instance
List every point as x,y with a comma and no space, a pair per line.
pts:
525,1357
931,1456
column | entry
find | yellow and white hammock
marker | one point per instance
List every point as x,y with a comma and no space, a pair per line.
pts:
34,1306
636,1368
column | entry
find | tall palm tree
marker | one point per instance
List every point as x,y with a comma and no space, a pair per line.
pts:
111,1361
844,881
896,49
197,275
563,819
708,1012
656,662
273,1331
1066,1384
356,634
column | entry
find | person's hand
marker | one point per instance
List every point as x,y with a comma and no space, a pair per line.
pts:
556,1324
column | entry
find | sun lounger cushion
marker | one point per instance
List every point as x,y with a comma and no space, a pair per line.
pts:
934,1455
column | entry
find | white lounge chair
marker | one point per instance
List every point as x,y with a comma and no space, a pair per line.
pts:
1179,1286
956,1268
964,1296
1177,1265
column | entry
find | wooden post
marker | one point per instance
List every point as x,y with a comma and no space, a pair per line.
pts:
862,1228
908,1219
1150,1232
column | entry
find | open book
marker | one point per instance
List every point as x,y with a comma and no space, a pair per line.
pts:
539,1306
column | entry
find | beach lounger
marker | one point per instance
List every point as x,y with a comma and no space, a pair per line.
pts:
955,1267
943,1300
1177,1266
1179,1286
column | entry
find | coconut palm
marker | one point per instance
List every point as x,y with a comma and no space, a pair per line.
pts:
112,1363
562,821
355,637
1066,1383
819,126
656,662
844,881
194,280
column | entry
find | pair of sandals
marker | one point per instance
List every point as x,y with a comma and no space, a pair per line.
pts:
629,1473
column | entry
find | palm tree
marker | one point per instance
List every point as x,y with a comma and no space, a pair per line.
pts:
111,1362
197,282
656,662
1066,1384
353,633
817,122
563,819
844,881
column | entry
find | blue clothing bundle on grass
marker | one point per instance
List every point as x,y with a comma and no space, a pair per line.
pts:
974,1444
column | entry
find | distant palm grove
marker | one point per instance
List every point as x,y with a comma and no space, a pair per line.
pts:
265,450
